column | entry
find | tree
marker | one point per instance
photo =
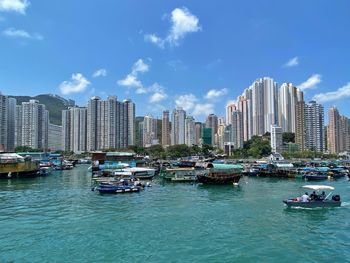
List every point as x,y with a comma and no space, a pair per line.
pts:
179,150
206,149
156,151
26,149
288,137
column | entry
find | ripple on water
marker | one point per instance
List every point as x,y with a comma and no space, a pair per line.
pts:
61,219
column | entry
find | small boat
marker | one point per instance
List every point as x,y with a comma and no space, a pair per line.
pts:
316,176
319,201
180,174
117,189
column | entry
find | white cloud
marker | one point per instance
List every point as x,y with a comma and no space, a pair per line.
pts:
292,62
157,97
154,39
19,33
187,101
203,109
100,73
139,66
18,6
310,82
340,93
182,23
131,79
77,84
214,94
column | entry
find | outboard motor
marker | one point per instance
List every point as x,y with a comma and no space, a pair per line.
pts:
336,198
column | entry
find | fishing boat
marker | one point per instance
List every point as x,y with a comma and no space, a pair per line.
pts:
221,174
14,165
318,201
316,176
180,174
117,188
140,173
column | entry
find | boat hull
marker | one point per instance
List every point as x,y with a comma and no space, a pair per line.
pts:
312,204
316,177
118,189
208,179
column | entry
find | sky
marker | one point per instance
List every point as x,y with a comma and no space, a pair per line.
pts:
161,54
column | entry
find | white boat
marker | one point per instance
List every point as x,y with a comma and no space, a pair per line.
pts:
318,200
138,172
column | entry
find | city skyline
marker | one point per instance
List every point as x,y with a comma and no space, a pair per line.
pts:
173,54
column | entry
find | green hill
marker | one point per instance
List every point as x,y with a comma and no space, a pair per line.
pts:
54,104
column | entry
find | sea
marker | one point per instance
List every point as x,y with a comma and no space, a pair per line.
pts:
58,218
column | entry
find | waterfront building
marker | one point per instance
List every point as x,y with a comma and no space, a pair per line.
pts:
220,136
35,122
74,129
276,139
314,122
18,126
237,129
54,137
149,130
110,123
243,105
198,133
212,123
300,125
206,136
166,129
337,132
178,126
11,123
190,131
3,122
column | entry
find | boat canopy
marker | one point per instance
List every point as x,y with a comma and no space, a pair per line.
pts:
226,166
318,187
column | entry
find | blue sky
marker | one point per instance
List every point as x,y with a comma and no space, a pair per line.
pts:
197,54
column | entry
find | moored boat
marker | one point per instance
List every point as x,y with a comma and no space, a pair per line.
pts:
221,174
14,165
318,200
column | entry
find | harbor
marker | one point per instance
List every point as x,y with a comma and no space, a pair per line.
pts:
204,222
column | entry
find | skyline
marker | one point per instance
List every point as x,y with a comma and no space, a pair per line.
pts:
175,54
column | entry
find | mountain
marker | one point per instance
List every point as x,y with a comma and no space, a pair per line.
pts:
54,104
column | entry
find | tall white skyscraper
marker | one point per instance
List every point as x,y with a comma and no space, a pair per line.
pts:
110,123
314,124
74,129
3,122
190,132
55,137
237,129
178,126
35,122
11,123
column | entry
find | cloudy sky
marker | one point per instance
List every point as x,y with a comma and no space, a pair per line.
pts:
162,54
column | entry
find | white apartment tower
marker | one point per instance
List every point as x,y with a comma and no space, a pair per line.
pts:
190,138
276,139
178,126
314,124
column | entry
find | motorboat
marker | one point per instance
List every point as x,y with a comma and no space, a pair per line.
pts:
316,176
318,200
141,173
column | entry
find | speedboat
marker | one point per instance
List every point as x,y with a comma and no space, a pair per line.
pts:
318,200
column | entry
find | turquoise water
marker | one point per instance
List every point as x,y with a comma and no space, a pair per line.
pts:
59,219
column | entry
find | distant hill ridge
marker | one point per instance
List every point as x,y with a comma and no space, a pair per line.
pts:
54,104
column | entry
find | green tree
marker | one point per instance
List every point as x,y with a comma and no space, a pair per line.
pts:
156,151
176,151
288,137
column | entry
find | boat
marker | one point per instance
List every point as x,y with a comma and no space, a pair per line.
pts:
221,174
140,173
15,165
316,176
326,201
180,174
117,188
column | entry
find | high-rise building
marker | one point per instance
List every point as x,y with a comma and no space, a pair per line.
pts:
11,123
289,96
243,105
276,139
35,122
54,137
110,123
212,123
18,126
74,129
229,109
237,129
3,122
149,130
165,129
337,132
206,136
314,122
198,133
300,125
189,131
178,126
